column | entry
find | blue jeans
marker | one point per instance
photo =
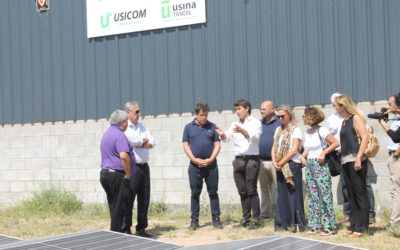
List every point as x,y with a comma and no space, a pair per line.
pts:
196,176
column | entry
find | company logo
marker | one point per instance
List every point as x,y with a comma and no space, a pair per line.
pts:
122,18
105,25
182,9
165,10
41,2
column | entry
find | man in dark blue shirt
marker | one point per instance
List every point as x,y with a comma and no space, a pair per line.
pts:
267,176
202,145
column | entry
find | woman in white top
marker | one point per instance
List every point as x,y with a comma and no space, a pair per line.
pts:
286,160
318,142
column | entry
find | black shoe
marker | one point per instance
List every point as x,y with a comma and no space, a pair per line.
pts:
217,223
244,223
254,225
127,231
143,233
194,224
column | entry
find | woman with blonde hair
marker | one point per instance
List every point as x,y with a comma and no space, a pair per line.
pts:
318,142
353,142
285,156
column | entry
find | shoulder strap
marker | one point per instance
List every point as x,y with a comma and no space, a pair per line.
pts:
320,139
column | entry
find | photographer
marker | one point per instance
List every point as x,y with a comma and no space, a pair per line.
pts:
394,153
393,107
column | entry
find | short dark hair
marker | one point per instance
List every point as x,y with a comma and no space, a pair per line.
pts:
397,99
244,103
201,106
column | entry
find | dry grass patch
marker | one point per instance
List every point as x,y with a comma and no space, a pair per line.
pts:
171,225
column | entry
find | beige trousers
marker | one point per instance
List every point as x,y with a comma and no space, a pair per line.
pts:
394,172
267,179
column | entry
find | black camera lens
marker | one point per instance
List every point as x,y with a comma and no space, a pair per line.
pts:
379,115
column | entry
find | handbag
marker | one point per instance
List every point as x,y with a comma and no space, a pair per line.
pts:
332,159
373,144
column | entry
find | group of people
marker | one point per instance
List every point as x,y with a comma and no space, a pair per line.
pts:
125,171
271,151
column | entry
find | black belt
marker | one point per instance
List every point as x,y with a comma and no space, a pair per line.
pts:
265,158
113,170
141,164
246,157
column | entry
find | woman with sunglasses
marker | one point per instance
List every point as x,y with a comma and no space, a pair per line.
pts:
286,160
353,142
321,214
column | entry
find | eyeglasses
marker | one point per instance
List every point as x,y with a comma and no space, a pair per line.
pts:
281,116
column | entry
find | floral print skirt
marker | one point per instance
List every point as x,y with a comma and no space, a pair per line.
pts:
319,195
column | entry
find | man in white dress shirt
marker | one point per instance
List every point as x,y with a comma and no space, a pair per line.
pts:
245,134
142,141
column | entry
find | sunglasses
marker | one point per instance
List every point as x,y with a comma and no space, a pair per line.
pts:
281,116
137,111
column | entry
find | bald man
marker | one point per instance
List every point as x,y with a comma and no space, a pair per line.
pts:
267,176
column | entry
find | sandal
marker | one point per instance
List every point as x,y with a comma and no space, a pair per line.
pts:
347,233
355,235
327,232
313,230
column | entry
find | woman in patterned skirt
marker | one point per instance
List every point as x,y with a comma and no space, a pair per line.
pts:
318,142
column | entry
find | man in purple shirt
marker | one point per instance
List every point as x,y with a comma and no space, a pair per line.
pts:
117,163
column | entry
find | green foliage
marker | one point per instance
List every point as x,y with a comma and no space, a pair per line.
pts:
52,201
157,208
386,214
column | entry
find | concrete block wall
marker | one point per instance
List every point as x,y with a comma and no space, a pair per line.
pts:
66,155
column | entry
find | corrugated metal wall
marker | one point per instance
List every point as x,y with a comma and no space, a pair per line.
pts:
290,51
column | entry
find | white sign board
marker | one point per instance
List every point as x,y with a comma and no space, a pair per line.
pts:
109,17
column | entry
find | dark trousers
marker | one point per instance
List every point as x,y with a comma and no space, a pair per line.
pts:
138,186
117,190
289,210
196,177
358,197
346,203
245,174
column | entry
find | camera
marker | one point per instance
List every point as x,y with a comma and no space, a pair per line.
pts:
379,115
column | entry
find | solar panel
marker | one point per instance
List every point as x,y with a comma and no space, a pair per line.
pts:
290,243
4,239
236,244
96,240
99,240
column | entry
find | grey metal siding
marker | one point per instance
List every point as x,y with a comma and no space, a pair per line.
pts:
290,51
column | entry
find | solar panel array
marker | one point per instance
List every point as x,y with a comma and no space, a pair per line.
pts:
98,240
7,239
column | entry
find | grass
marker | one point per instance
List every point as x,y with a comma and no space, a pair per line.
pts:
52,201
53,212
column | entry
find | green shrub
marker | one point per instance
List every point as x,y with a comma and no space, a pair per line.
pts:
52,201
157,208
